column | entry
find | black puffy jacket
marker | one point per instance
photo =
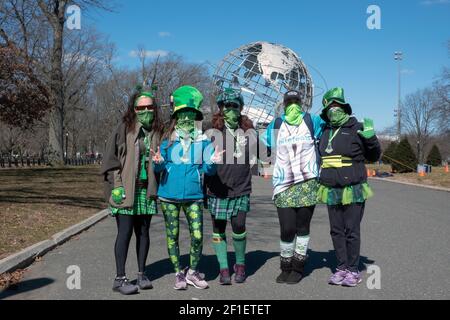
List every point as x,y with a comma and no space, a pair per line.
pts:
348,143
233,179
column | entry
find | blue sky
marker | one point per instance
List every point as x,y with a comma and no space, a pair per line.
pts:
330,36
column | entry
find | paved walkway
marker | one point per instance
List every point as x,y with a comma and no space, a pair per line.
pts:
406,233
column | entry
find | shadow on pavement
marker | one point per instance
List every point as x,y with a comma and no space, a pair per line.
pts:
25,286
209,265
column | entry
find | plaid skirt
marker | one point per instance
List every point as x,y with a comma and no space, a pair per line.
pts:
142,205
225,208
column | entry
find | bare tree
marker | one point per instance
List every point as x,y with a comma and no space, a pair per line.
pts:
442,99
38,26
420,117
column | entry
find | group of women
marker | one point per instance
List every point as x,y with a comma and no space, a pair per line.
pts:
318,159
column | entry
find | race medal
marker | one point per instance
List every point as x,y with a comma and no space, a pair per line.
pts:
185,144
240,142
329,148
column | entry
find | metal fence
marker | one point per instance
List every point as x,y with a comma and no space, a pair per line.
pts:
23,162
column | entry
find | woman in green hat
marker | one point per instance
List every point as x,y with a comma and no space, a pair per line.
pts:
184,156
344,146
229,190
131,184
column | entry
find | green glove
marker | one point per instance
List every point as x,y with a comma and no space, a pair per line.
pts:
118,194
368,131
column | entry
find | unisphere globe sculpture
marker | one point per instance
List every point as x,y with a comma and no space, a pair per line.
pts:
263,72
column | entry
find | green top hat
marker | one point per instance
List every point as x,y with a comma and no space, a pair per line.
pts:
334,95
230,95
187,97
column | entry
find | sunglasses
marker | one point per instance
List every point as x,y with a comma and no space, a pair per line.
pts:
149,107
231,106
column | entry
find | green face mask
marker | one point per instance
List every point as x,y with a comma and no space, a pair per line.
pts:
231,117
186,122
293,114
337,116
145,118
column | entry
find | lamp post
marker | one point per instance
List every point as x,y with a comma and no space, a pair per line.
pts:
418,152
67,144
398,56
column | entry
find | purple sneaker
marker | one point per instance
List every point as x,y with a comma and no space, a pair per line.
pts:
338,277
194,278
352,279
180,281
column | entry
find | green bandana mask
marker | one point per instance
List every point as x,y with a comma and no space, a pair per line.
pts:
186,123
145,118
337,116
231,117
293,114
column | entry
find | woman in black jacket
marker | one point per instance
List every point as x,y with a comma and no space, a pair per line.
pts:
344,146
229,190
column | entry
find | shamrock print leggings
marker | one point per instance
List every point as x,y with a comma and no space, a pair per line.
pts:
194,216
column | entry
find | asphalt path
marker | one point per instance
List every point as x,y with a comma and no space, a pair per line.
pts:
405,250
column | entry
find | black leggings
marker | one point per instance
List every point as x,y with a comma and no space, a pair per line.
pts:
125,226
345,230
237,224
294,222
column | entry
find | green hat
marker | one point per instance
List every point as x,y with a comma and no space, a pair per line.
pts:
142,93
187,97
230,95
334,95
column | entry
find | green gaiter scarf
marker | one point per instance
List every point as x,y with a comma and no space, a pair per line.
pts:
293,114
231,117
337,116
186,124
145,118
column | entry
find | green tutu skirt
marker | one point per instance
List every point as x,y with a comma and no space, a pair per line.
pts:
350,194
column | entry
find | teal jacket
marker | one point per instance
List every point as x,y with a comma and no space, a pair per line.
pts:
183,181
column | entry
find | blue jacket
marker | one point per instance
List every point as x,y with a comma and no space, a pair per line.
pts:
180,180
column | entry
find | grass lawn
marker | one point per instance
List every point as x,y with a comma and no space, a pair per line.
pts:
36,203
437,177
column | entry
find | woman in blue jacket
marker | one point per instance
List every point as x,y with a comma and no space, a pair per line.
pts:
184,156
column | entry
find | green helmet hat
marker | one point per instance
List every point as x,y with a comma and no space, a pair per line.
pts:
230,95
334,95
187,97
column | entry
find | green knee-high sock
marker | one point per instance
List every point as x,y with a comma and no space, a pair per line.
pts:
220,247
240,243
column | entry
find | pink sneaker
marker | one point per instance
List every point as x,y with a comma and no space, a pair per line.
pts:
180,281
338,277
352,279
194,278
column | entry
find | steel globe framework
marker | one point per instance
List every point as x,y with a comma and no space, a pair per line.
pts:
264,71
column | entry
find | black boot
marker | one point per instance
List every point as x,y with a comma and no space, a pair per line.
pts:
298,266
286,268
